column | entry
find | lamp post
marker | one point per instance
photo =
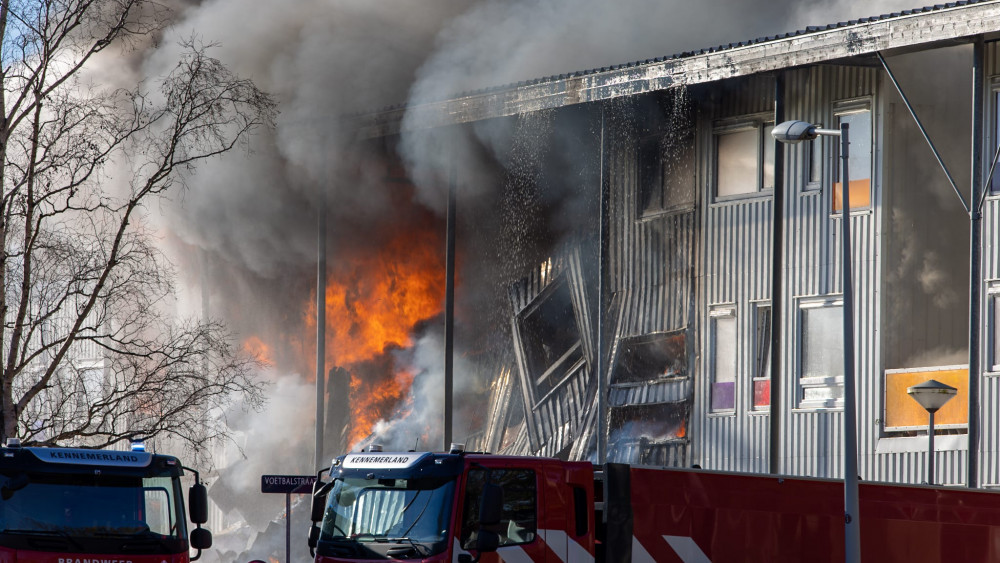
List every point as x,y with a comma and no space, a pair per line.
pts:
932,395
793,132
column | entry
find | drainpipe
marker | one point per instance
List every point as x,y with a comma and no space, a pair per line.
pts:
777,273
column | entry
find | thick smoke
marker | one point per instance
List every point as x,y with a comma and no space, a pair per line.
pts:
244,234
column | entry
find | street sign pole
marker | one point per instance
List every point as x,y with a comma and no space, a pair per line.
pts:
288,485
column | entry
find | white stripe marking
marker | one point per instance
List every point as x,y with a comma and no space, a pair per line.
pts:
639,553
687,549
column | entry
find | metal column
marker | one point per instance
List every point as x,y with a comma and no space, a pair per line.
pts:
320,326
975,275
602,383
449,309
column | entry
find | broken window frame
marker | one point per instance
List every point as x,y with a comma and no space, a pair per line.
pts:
718,314
810,387
761,367
570,360
763,184
841,109
622,377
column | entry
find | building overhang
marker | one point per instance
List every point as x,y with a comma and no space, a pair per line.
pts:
948,24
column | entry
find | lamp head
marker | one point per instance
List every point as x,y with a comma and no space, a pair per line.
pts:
931,394
794,131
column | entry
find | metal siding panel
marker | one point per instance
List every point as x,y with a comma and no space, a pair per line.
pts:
990,263
812,441
990,430
737,264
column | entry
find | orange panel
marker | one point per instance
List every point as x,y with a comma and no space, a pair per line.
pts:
902,410
861,195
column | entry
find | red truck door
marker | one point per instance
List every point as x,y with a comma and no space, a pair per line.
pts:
541,516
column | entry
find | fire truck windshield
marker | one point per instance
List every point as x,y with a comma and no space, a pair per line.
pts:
380,513
79,507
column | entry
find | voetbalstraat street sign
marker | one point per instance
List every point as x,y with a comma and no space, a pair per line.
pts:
287,484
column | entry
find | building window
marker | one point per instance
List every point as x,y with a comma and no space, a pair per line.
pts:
744,159
656,423
762,358
723,358
666,171
821,353
814,164
859,118
994,330
995,181
550,338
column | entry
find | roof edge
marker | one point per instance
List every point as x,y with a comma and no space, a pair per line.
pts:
810,46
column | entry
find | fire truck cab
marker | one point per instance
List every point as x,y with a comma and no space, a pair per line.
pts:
62,505
451,507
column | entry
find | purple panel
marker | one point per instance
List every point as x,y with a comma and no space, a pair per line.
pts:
723,396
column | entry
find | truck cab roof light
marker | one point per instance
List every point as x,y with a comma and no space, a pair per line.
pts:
456,448
375,448
13,443
138,446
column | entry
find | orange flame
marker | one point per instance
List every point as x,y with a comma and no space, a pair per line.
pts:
381,298
258,349
373,304
374,401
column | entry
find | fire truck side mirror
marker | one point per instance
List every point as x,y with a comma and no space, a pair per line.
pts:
313,536
318,507
491,505
201,538
490,511
198,503
487,541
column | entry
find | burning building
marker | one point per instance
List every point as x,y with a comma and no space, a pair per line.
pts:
642,274
646,276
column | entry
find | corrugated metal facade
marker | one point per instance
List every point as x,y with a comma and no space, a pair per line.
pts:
667,272
652,260
812,440
990,389
736,258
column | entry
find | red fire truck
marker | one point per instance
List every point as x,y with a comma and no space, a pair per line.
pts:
67,505
464,507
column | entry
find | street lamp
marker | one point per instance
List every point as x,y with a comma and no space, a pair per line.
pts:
932,395
793,132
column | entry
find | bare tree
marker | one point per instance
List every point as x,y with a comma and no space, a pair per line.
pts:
91,353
